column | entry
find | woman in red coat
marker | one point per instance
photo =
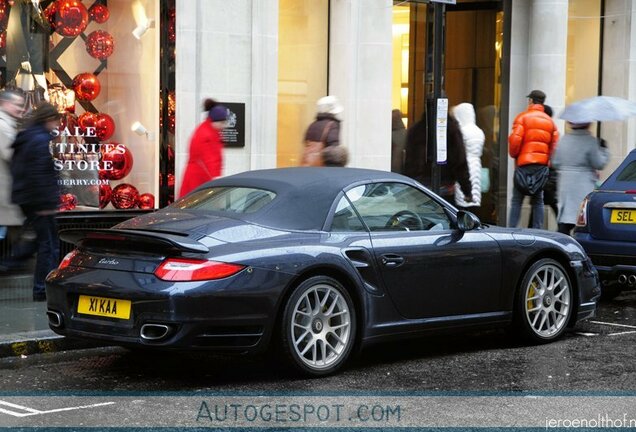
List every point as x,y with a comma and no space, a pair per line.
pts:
206,149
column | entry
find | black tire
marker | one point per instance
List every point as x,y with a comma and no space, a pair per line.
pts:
544,302
318,327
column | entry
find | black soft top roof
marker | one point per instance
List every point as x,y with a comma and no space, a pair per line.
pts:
303,195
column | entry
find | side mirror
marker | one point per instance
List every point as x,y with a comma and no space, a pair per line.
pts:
466,221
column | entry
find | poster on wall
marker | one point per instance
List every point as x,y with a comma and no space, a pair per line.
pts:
75,53
234,133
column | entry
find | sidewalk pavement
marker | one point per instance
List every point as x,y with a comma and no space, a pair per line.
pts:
24,328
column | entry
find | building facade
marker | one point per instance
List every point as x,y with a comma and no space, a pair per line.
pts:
139,71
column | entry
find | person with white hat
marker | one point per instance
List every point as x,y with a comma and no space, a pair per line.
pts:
323,132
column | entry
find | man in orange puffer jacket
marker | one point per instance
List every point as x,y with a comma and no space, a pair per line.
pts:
533,139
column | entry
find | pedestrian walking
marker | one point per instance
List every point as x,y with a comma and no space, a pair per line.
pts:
11,109
550,188
205,161
398,141
576,159
455,170
533,138
474,139
322,132
36,190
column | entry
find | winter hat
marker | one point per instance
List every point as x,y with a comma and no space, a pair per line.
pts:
218,113
537,96
329,105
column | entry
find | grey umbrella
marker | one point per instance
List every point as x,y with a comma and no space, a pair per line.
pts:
599,108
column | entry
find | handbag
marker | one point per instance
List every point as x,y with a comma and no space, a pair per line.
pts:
529,179
313,149
25,84
33,98
62,98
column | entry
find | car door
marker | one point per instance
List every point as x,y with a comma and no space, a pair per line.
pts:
428,268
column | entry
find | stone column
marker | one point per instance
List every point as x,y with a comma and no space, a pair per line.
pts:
360,50
619,76
537,61
228,51
547,51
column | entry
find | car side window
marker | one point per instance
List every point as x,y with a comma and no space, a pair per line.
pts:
391,206
345,218
628,174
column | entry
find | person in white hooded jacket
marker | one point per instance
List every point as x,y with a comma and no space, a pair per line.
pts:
474,143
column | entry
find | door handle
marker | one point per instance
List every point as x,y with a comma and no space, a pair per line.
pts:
392,260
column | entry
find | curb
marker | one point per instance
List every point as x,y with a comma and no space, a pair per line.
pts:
40,342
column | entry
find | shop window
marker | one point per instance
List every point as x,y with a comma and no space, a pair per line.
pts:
474,35
98,63
303,46
583,50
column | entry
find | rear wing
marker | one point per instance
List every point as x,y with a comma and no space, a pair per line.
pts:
145,240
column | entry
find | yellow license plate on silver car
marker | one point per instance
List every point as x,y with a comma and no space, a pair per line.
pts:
620,216
106,307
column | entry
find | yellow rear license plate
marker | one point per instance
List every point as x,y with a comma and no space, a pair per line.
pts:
106,307
623,216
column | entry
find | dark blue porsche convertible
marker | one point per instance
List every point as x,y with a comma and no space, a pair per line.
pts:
315,262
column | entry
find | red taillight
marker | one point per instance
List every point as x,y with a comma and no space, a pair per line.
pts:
66,261
581,219
185,269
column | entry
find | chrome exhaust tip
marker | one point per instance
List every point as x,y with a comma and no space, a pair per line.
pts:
55,318
153,332
631,279
622,278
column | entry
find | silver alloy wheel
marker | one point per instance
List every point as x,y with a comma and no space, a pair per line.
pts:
321,326
547,300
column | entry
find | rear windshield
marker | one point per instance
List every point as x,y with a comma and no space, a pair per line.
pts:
227,199
628,174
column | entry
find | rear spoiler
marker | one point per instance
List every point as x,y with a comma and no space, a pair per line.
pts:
82,237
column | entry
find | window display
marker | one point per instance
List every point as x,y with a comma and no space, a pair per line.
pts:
89,60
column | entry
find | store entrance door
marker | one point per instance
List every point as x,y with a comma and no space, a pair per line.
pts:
472,73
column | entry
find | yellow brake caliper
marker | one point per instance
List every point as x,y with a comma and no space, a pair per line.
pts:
531,293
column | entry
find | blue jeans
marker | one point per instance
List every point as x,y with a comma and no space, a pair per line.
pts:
46,244
536,201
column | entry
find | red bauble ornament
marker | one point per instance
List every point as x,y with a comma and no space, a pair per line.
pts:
69,17
146,201
105,126
99,13
125,196
3,41
50,14
100,44
117,162
86,86
171,180
105,194
86,120
68,201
